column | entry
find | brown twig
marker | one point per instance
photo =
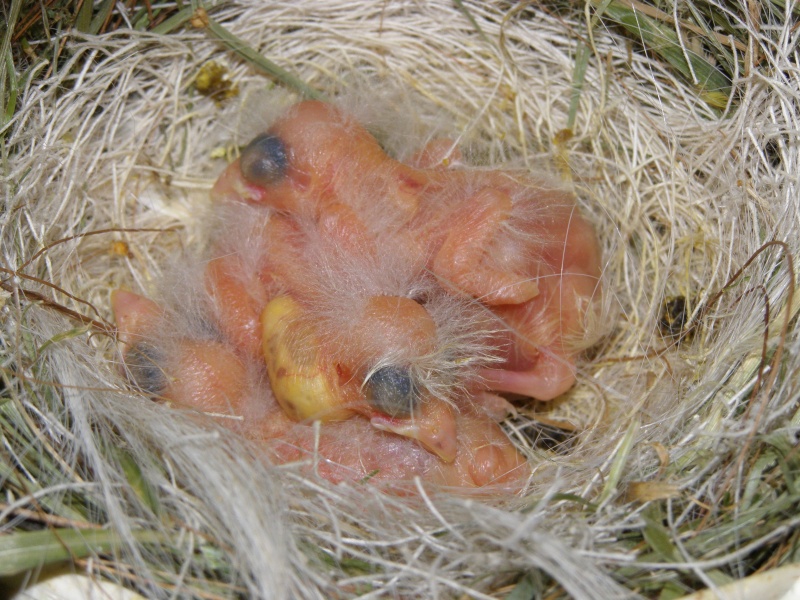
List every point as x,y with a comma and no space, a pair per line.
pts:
48,519
101,327
34,15
96,232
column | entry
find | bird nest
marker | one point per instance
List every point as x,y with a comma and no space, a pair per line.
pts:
669,467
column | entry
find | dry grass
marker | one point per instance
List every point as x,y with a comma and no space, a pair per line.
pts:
677,128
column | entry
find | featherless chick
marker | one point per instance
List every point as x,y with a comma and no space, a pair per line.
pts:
370,314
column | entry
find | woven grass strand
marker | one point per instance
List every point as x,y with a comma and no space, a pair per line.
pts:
683,195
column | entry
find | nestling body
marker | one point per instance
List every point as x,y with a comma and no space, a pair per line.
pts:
393,303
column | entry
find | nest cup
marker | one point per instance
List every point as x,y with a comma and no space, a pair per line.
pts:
671,461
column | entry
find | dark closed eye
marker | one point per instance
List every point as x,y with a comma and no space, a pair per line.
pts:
144,365
264,160
391,390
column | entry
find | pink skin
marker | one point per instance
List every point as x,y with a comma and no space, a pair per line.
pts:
238,301
134,314
207,376
437,154
519,249
485,459
542,284
458,261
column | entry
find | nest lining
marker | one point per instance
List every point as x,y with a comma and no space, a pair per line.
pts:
682,198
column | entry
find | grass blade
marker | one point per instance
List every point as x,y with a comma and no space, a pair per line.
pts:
714,86
27,550
84,19
267,66
102,16
578,75
7,72
175,21
471,19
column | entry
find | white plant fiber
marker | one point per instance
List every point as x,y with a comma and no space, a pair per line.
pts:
681,198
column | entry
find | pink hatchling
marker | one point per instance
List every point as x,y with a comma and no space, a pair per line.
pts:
394,303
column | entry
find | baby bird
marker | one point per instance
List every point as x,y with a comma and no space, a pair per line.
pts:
391,303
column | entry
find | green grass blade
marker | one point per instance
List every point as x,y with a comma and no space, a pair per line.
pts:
10,97
714,86
7,72
524,590
580,500
245,51
66,335
578,76
658,538
465,11
175,21
27,550
141,486
83,21
101,17
618,465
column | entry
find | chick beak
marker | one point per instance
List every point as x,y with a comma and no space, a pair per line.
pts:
433,425
134,315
